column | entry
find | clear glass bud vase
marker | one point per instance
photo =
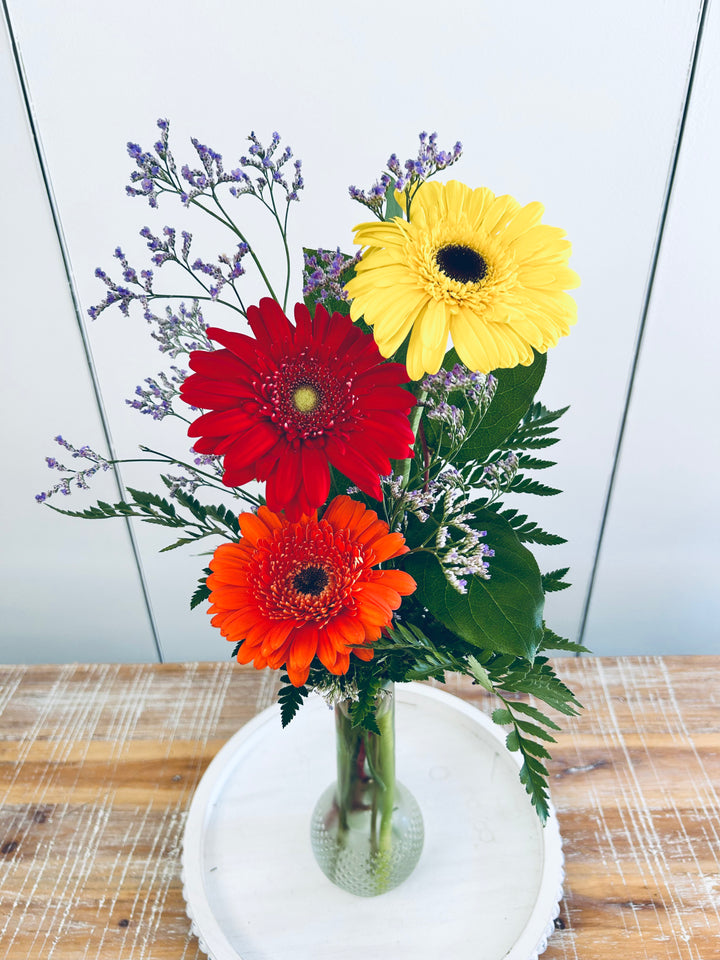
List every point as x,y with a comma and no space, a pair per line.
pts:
367,829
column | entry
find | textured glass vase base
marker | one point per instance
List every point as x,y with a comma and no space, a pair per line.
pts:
346,856
487,884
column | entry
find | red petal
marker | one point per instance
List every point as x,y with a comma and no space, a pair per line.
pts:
198,391
316,473
303,326
354,468
284,480
242,346
220,364
272,328
385,375
243,450
221,423
392,399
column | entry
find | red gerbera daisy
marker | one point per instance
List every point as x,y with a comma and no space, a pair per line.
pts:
285,404
291,591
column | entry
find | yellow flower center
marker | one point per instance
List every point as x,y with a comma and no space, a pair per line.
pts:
305,398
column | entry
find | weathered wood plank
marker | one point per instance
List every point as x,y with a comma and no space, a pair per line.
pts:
98,764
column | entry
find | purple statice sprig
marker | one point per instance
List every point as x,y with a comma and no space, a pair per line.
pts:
374,197
269,165
203,471
76,478
158,172
325,272
180,332
261,174
475,390
458,546
407,177
156,399
138,288
497,477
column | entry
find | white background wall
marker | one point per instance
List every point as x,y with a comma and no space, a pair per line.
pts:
577,106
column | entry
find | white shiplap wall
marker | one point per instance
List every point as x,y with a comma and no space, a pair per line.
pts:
556,102
657,580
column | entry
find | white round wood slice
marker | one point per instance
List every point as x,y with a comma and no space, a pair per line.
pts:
487,886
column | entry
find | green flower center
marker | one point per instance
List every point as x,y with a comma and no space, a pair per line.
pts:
461,263
311,580
305,398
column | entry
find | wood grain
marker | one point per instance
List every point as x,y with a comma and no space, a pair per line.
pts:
98,764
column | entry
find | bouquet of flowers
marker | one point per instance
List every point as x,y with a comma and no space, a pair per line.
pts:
381,547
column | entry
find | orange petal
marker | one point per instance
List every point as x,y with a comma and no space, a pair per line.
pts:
398,580
303,647
256,527
364,653
393,545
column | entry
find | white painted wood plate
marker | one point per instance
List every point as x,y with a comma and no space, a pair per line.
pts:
487,886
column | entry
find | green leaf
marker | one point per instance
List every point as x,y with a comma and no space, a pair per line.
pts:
480,674
553,581
534,730
93,513
542,683
522,484
290,699
362,710
536,749
501,614
178,543
533,430
515,390
225,516
149,500
531,711
551,641
502,717
527,530
525,461
392,207
535,785
331,304
202,591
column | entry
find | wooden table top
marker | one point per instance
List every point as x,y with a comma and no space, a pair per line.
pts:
98,764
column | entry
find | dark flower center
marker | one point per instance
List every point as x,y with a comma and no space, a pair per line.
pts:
311,580
461,263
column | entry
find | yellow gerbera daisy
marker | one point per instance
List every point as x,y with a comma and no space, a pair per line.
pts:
478,267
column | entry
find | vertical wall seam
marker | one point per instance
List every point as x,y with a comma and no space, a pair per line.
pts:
65,256
647,298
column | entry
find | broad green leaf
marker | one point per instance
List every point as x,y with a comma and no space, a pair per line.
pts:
515,391
502,614
331,304
392,207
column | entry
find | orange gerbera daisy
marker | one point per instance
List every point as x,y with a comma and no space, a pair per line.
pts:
290,591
